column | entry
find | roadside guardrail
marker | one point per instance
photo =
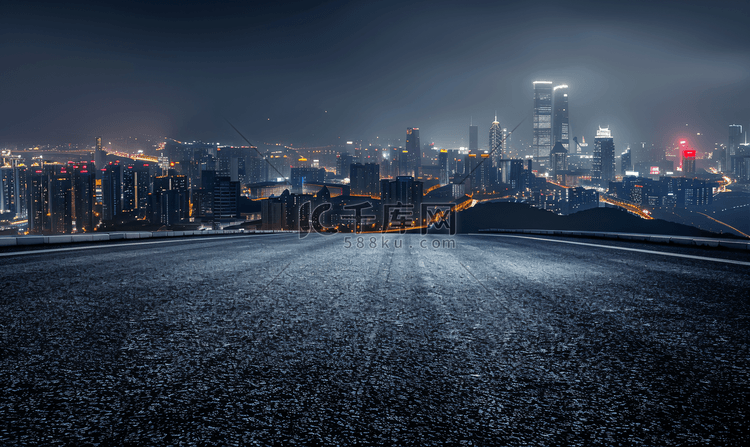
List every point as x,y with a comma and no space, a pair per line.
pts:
9,241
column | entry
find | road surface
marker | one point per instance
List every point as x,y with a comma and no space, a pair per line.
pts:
496,340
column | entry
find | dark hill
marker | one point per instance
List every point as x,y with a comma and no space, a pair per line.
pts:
518,216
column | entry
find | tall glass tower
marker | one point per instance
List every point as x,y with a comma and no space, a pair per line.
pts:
735,137
414,151
541,143
560,121
603,166
496,142
99,157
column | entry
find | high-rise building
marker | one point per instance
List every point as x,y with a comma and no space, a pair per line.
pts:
169,202
496,142
60,201
475,171
300,176
175,182
256,169
99,156
404,165
365,179
511,172
415,151
226,197
38,200
406,191
111,191
603,166
6,190
688,158
84,180
626,162
735,139
558,159
473,138
14,188
443,166
343,162
560,120
541,143
135,188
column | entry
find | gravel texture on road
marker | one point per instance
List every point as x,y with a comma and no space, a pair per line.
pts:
273,340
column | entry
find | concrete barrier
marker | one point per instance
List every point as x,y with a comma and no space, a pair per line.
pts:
59,239
660,239
82,238
31,240
9,241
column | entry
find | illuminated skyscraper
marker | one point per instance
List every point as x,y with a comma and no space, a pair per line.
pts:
111,191
60,201
404,169
496,142
443,164
39,211
735,139
83,197
169,202
688,158
541,143
560,121
135,187
14,188
6,189
627,162
99,156
603,169
414,151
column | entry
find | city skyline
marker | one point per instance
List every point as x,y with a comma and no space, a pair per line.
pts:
374,223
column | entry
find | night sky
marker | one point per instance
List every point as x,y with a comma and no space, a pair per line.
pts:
310,73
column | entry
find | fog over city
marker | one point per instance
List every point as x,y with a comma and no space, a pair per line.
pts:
309,73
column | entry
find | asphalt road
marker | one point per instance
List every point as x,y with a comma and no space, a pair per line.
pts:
498,340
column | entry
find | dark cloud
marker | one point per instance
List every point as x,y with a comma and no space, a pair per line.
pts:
307,72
